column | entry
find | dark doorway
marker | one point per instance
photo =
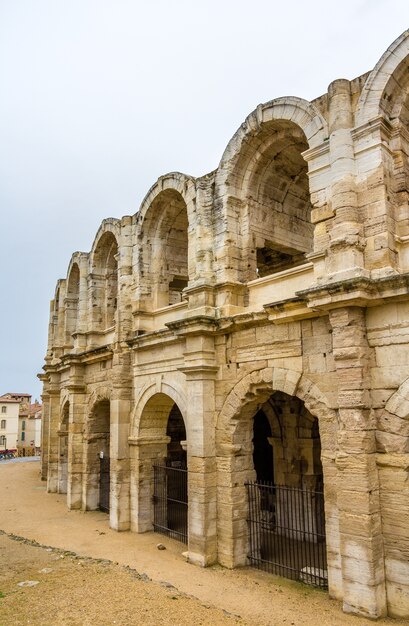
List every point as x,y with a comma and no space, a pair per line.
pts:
262,449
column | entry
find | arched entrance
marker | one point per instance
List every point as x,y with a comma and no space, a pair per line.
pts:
285,498
170,482
160,469
98,457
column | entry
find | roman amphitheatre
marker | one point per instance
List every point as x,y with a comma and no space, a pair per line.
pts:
229,366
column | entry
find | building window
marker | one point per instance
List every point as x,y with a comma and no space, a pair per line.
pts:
4,409
3,424
23,425
23,436
3,441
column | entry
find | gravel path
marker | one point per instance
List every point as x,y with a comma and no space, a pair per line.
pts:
99,576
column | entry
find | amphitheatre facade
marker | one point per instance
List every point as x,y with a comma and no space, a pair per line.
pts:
230,365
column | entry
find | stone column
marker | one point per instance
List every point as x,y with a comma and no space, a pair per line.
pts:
346,235
77,418
145,451
83,308
202,477
53,443
235,468
361,541
62,460
45,432
380,158
119,507
96,301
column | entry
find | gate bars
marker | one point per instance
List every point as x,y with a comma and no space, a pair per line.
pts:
287,532
170,502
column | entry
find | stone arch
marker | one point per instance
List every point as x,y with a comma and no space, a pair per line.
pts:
176,181
382,92
104,275
287,109
98,395
166,251
234,452
149,391
263,187
392,433
149,446
254,388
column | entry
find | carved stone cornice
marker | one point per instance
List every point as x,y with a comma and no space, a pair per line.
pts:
195,325
357,291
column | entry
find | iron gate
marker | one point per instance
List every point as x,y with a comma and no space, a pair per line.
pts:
287,532
170,501
104,480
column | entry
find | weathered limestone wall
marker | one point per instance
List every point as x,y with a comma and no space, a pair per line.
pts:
278,282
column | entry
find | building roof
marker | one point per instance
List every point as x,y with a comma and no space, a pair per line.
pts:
35,410
20,395
8,400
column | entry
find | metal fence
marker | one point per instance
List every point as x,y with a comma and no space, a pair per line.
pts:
104,484
170,501
287,532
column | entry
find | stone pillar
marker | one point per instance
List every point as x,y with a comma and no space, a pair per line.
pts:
235,468
53,443
96,301
394,487
62,460
75,448
202,479
200,240
361,541
45,433
346,246
83,309
380,161
119,507
145,451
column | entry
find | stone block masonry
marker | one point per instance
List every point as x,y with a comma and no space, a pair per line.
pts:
253,325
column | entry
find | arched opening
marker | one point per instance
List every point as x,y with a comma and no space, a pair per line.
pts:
165,249
105,282
286,504
63,450
162,469
71,303
270,182
98,457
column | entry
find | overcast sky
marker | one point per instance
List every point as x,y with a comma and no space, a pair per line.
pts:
99,98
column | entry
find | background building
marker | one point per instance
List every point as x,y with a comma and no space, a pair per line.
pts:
9,411
28,440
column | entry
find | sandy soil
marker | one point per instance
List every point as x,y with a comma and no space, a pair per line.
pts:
101,576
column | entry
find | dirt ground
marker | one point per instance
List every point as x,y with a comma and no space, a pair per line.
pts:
86,573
